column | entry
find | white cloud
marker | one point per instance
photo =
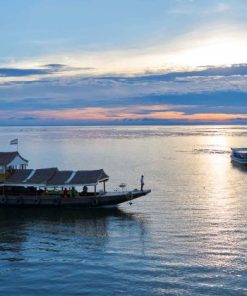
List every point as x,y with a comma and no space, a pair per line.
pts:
204,46
222,7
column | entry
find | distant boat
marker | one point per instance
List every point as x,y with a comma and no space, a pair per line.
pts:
239,156
50,187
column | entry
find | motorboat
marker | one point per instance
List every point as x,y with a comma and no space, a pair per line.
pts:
239,156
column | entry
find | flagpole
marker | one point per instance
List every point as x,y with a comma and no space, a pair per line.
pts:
15,142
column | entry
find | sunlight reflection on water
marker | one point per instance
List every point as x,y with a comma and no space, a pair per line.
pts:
187,238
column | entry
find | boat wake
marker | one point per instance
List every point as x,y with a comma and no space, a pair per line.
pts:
211,151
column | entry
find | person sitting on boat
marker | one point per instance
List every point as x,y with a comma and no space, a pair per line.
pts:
73,192
142,182
65,192
84,190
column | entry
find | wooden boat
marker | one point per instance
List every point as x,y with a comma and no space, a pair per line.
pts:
50,187
99,200
239,156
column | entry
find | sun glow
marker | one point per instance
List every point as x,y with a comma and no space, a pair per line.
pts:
189,52
214,51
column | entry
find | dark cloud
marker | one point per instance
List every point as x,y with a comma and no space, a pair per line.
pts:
46,69
237,69
55,66
220,98
203,92
227,102
28,118
19,72
16,72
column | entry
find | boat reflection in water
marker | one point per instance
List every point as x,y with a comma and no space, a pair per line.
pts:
35,234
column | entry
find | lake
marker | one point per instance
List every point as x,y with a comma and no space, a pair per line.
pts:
188,237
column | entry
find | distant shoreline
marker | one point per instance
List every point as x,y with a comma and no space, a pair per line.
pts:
124,125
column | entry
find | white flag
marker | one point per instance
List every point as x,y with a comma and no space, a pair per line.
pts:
14,142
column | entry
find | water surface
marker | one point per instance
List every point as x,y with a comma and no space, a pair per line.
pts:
189,236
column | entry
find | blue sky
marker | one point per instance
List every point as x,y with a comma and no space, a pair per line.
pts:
113,61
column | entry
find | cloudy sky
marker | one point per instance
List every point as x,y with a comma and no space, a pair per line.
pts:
123,61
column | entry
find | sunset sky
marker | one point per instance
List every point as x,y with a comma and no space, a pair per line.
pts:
123,61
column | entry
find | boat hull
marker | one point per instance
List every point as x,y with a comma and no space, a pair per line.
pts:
103,200
238,161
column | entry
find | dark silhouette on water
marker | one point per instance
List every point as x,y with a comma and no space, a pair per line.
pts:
142,182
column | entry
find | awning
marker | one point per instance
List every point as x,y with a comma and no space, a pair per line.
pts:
59,178
19,176
51,177
88,177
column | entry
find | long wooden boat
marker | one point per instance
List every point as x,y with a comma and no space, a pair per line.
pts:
239,156
53,188
99,200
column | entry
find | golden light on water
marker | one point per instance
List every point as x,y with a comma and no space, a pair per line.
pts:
218,163
220,203
219,142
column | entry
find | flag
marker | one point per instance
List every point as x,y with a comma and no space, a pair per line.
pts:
14,142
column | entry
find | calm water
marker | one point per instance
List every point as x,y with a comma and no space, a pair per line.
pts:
189,237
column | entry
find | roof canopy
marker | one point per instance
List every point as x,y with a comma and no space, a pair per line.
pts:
60,177
42,176
19,176
53,177
240,150
88,177
7,157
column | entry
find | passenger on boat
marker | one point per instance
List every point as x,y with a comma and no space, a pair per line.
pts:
65,192
73,192
142,182
84,190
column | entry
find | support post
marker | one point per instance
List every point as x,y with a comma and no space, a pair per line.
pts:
95,190
104,186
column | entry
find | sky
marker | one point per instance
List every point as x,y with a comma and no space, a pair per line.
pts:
73,62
